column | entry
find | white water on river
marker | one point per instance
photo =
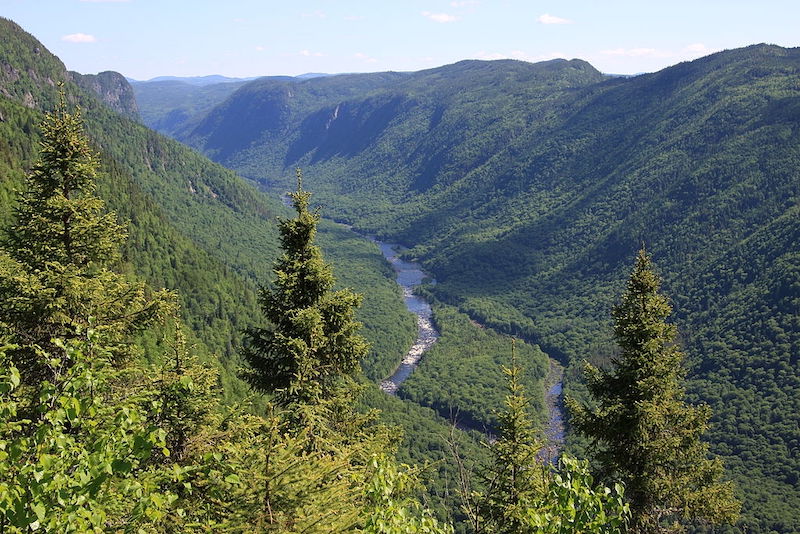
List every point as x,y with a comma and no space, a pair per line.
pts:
409,276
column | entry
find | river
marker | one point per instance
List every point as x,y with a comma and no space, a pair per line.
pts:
409,276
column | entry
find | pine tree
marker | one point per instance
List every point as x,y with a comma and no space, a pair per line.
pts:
515,478
642,431
55,262
312,340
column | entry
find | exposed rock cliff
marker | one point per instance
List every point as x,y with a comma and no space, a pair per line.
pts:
113,89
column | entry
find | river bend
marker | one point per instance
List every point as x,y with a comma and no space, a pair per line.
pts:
410,276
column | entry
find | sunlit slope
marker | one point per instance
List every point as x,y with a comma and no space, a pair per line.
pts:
526,189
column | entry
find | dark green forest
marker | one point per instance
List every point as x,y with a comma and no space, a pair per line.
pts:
525,189
111,421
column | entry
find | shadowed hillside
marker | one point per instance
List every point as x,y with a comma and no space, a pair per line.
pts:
527,188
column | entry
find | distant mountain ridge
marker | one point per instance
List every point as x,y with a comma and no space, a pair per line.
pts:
211,79
195,80
526,188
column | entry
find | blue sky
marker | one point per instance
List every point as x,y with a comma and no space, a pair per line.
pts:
147,38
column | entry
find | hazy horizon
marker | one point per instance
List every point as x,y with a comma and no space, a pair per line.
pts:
144,39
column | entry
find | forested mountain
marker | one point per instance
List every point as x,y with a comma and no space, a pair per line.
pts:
527,188
199,229
174,105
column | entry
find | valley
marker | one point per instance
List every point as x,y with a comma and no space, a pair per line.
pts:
410,276
507,199
527,203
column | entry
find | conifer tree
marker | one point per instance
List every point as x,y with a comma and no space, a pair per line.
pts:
642,431
56,259
515,478
312,339
524,495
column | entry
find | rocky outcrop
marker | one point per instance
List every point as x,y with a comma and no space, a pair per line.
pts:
112,88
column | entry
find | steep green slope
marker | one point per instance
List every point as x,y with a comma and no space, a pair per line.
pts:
744,313
526,189
262,113
194,226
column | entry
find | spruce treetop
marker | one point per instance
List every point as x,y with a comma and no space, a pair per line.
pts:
56,261
642,431
514,479
312,339
59,220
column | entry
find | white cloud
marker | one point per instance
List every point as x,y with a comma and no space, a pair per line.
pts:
309,53
260,48
698,49
440,17
364,57
550,19
354,17
79,38
318,14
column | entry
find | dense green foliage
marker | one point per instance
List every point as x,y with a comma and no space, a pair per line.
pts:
522,494
461,376
150,449
573,502
428,440
90,442
67,457
642,430
525,188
